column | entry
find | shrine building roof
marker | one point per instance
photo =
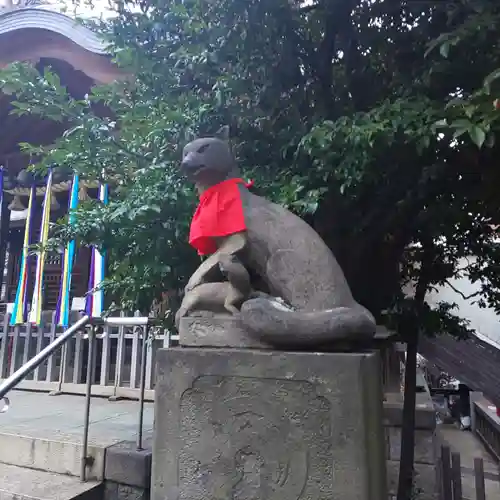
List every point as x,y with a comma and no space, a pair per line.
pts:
46,39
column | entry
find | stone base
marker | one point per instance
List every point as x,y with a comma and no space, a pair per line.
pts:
248,424
216,331
426,445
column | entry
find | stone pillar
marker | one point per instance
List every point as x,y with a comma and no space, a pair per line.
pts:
252,424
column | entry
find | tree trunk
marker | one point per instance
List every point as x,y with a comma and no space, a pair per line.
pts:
405,484
406,466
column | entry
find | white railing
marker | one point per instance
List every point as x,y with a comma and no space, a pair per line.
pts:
116,367
88,328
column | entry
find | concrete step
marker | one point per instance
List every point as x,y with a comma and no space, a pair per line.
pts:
61,454
17,483
44,433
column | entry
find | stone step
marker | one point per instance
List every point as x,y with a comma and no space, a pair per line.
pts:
61,454
17,483
45,432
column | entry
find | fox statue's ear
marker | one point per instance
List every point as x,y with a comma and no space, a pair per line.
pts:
223,133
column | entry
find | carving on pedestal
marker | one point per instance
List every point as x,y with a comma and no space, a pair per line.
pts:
257,439
264,425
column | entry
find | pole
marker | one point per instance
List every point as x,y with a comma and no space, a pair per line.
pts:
88,393
142,386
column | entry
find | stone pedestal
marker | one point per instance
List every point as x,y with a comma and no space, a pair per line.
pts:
258,425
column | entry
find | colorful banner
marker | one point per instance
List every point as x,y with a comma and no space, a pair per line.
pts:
35,314
1,186
63,303
20,311
1,201
95,298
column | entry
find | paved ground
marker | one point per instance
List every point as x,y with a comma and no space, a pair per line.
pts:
44,416
469,448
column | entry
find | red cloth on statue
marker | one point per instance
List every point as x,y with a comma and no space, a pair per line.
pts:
219,213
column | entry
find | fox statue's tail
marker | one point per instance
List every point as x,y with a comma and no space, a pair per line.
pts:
276,324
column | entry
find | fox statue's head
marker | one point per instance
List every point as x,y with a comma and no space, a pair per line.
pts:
208,160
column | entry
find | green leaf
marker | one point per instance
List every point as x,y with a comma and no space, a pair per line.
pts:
491,78
457,101
444,49
436,42
459,131
441,123
477,135
461,123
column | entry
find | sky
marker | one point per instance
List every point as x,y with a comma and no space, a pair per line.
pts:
99,7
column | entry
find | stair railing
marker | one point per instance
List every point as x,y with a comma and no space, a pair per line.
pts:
19,375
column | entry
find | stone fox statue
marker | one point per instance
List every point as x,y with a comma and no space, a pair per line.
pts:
302,297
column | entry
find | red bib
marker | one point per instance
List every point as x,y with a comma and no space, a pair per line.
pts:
219,214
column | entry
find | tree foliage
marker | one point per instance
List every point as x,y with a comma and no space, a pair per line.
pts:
374,120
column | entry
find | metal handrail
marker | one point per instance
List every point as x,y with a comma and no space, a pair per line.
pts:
39,358
20,374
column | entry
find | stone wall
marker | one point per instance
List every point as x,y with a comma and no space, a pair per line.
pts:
426,443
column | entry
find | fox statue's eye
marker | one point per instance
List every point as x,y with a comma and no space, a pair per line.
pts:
203,148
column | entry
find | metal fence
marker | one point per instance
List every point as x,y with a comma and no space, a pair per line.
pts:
116,366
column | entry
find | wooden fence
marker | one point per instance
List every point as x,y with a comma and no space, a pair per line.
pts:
117,363
451,474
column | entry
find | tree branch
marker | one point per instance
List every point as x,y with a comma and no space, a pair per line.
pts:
465,297
319,62
337,20
293,31
326,53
